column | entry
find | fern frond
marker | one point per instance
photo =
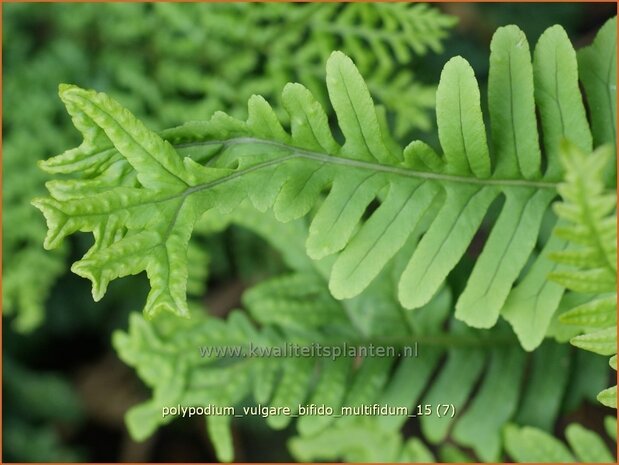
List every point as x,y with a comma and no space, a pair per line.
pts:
589,215
527,444
393,33
32,424
298,309
29,272
148,225
167,357
597,66
401,29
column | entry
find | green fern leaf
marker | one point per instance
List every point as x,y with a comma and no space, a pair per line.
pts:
529,444
589,215
260,160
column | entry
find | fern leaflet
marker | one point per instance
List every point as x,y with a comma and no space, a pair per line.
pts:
529,444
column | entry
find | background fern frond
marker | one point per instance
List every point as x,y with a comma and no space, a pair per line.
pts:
297,308
589,214
30,273
529,444
166,355
32,424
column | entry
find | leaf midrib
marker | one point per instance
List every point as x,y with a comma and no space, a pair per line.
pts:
298,152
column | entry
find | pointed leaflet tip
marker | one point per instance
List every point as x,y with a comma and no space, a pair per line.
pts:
55,220
65,89
99,283
42,165
69,92
164,304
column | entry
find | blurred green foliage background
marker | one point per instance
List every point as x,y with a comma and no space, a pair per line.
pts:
64,390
